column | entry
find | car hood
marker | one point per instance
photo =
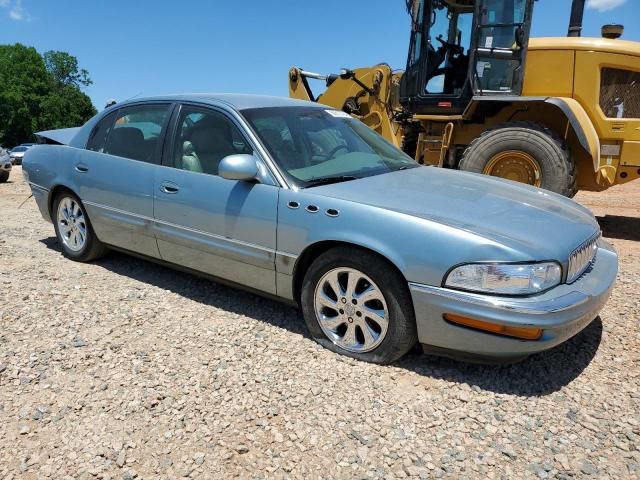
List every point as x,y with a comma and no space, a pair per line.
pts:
534,221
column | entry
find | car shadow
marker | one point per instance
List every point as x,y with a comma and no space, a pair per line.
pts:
618,226
537,375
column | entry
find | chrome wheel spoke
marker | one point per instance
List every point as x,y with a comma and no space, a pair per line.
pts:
332,322
334,283
369,335
377,316
371,293
349,338
352,282
327,301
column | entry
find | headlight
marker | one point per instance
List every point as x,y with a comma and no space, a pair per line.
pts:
505,278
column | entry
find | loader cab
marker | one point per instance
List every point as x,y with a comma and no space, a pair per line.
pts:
462,48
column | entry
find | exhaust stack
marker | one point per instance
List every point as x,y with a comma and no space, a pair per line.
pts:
575,22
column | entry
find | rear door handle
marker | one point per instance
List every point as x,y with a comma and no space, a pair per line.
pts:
81,167
169,187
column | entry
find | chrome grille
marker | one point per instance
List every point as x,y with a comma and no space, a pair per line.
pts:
581,258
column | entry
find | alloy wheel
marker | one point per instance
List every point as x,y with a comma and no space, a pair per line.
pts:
72,224
351,310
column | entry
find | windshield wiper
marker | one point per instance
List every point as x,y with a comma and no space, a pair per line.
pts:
315,182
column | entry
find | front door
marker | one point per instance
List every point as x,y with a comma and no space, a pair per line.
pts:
500,46
116,175
225,228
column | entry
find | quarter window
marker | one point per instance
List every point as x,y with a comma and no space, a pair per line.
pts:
136,132
98,138
619,93
204,138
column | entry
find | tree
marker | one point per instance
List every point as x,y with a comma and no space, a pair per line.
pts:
40,93
23,83
64,71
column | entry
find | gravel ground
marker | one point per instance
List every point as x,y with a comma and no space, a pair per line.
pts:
125,369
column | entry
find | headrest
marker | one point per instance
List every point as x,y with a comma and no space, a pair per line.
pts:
207,140
127,134
187,148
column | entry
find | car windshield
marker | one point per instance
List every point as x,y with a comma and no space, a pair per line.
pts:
19,149
315,145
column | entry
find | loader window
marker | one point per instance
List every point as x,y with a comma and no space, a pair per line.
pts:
502,31
618,93
448,49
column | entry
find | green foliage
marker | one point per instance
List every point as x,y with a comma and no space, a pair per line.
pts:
63,69
39,93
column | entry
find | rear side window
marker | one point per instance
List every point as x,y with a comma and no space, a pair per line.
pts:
136,132
619,93
98,138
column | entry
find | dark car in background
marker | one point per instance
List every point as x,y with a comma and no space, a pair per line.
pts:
5,167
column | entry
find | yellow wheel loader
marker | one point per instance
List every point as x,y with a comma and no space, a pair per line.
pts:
478,95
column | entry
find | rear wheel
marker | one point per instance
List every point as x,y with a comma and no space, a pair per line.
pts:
73,229
523,152
356,304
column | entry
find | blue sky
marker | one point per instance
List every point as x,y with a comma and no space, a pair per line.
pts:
153,47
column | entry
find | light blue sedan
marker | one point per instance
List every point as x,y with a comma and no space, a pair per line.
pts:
304,203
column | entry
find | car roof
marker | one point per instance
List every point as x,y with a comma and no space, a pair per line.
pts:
235,100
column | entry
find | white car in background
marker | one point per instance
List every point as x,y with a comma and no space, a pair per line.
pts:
18,152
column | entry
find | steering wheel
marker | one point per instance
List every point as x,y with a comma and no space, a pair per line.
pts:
455,49
335,150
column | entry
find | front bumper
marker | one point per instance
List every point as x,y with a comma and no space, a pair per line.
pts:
561,312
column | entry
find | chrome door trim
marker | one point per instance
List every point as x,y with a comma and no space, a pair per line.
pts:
40,187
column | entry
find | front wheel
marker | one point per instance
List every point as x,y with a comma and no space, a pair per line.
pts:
523,152
73,229
4,176
356,304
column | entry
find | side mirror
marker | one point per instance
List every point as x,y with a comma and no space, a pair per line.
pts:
238,167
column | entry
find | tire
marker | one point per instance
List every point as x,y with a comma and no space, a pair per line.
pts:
555,167
90,248
386,344
4,176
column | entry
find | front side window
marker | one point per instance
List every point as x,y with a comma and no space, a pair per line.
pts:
314,145
203,138
619,93
136,132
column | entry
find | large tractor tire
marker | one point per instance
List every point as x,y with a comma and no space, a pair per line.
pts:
524,152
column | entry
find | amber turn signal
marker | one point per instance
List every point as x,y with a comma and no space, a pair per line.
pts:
524,333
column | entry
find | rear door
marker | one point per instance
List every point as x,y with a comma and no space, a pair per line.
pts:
499,46
225,228
116,174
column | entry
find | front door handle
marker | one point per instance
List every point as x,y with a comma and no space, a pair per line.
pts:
81,167
169,187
